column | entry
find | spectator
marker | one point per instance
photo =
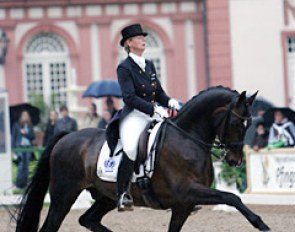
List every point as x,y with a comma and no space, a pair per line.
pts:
250,133
65,123
50,127
91,119
22,137
110,106
260,137
282,130
106,117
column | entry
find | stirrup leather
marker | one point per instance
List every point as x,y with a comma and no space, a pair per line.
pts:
125,202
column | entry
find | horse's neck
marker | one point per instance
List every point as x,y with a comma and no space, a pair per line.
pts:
198,127
197,119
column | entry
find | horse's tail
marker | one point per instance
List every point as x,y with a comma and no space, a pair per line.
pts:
28,215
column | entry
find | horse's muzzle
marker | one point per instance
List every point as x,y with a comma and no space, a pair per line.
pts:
234,162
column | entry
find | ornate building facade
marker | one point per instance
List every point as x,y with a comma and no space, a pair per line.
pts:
53,45
59,43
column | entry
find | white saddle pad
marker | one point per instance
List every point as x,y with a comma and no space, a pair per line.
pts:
107,167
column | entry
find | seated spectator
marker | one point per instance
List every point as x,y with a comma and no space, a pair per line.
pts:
50,127
106,118
260,138
91,119
65,123
282,130
250,133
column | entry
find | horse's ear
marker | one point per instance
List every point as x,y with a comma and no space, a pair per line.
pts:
252,98
241,99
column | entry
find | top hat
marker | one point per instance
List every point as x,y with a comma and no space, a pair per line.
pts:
130,31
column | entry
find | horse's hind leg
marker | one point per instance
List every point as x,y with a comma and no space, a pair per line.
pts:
206,196
62,199
91,219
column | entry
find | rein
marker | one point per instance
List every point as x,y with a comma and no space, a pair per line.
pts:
198,141
208,146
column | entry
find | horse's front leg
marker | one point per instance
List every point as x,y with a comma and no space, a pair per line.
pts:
179,216
202,195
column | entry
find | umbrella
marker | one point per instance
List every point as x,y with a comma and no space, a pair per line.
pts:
268,116
260,104
15,112
103,88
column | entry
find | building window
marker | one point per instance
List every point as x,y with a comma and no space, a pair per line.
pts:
154,52
46,63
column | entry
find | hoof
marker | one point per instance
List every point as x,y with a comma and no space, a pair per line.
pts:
125,203
123,208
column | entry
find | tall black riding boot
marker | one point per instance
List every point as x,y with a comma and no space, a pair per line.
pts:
125,173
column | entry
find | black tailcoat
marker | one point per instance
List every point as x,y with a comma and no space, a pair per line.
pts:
140,89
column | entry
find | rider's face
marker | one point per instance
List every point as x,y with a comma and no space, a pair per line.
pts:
136,44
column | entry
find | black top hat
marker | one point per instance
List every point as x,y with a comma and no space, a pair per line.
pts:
130,31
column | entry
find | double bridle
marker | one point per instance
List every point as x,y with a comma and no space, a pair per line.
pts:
229,111
222,144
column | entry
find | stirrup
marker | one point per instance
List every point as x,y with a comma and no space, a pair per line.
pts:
125,202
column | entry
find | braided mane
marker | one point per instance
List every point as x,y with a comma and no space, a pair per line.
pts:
206,95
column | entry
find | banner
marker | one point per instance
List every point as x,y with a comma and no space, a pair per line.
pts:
271,171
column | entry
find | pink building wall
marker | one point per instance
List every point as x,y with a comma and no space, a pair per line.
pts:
219,42
80,54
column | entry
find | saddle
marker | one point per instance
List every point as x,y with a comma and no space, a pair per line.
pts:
144,182
142,151
150,140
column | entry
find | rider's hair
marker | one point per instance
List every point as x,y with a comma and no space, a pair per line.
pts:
126,48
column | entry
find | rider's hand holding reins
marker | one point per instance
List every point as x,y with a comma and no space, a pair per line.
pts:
160,113
174,104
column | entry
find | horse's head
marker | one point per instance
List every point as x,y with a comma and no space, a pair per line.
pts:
233,121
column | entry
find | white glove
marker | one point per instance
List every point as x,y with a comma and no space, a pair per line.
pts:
160,113
174,104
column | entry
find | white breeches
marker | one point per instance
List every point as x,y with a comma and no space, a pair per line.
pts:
130,129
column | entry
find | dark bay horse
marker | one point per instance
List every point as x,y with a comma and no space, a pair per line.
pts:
181,179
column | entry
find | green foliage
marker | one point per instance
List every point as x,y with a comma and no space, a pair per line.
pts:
37,100
231,175
277,144
234,175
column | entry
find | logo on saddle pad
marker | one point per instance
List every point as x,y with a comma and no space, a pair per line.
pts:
109,165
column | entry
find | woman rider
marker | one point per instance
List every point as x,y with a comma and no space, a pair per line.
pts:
141,91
